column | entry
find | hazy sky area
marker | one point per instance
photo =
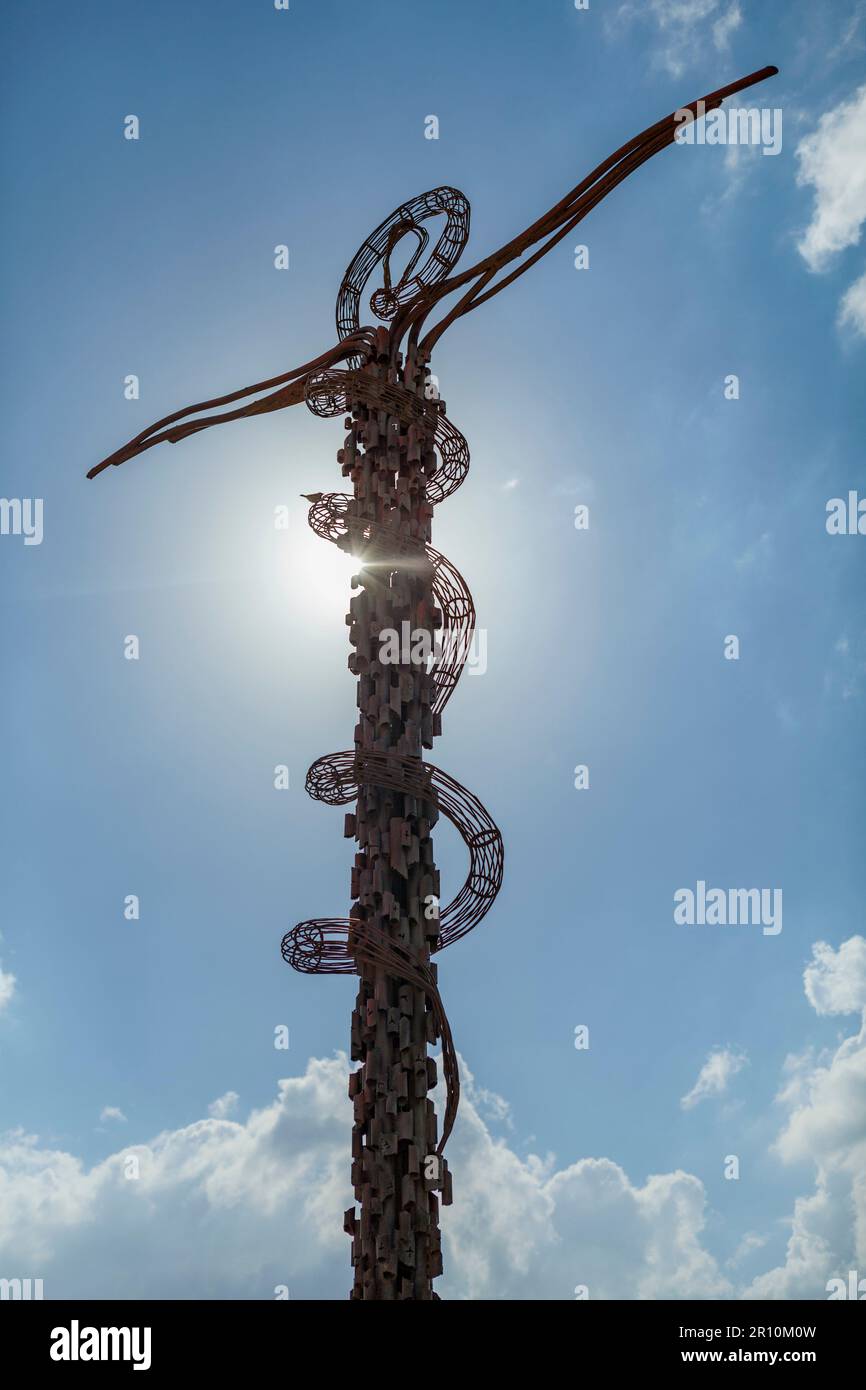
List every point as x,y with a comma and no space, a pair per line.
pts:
603,387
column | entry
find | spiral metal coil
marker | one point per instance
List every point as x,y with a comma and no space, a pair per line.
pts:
340,945
328,394
336,946
333,519
413,459
408,219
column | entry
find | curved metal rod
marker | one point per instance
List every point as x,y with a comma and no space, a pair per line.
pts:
560,219
332,518
157,433
409,313
328,394
335,778
340,945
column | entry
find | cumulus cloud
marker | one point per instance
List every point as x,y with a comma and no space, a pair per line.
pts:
721,1065
112,1112
228,1208
750,1242
835,981
7,987
524,1229
826,1126
832,161
232,1209
220,1209
224,1106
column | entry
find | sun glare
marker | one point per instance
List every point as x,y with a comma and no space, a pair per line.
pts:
320,576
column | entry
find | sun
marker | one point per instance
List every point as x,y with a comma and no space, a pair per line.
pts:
319,575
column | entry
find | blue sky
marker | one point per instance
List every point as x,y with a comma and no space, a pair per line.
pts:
605,647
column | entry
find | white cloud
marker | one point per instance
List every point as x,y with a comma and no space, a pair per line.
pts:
226,1209
492,1108
832,160
721,1065
685,27
112,1112
511,485
224,1106
835,981
751,1242
852,309
522,1229
221,1209
826,1126
725,26
229,1208
7,988
852,34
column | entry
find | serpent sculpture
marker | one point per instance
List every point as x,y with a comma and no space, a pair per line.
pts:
403,457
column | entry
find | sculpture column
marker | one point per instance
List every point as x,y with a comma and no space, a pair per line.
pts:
396,1250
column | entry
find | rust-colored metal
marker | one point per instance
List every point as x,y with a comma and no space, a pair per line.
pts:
403,456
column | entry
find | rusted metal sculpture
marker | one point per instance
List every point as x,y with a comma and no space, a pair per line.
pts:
403,457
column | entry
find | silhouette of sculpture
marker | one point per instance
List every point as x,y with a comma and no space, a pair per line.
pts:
402,456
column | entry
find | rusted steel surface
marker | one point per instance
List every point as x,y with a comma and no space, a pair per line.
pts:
406,220
398,1171
416,295
333,518
403,457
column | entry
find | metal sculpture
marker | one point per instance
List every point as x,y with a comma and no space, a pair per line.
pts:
403,456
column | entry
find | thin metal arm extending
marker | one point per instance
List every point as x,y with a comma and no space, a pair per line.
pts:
409,317
560,220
